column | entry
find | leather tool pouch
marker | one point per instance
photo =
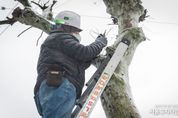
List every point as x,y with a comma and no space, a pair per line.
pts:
54,78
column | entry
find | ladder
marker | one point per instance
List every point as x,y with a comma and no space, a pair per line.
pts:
99,80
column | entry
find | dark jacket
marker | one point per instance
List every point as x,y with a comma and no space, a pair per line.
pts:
64,51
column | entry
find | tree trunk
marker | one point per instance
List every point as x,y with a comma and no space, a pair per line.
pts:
117,98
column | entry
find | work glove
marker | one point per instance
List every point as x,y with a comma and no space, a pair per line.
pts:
102,38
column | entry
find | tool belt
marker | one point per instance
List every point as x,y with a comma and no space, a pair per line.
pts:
54,78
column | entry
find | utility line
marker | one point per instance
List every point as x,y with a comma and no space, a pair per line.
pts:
4,30
160,22
96,16
13,9
170,23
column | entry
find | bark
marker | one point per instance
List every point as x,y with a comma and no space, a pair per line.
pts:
28,17
117,99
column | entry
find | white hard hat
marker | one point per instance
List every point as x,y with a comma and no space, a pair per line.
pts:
68,18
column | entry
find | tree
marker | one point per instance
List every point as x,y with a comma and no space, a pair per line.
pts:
117,98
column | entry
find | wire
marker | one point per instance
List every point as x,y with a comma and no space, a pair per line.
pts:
24,31
92,31
96,16
102,17
4,30
39,38
169,23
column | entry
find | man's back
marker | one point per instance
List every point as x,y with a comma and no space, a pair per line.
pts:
63,51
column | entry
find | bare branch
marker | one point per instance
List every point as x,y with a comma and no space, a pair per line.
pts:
47,10
54,2
46,2
10,21
115,20
24,31
39,38
45,5
4,30
142,17
24,3
42,7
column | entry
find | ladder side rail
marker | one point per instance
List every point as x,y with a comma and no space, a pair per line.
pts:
90,85
103,80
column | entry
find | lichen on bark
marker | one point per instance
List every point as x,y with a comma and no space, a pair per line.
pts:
28,17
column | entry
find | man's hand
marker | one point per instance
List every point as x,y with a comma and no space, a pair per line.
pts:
102,38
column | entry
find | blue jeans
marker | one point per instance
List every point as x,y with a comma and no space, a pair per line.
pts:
56,102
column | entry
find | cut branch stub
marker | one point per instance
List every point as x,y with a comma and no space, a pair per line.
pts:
128,12
143,16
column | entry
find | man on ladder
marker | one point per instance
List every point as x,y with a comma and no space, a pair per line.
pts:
61,66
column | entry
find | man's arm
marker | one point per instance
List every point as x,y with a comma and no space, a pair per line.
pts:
78,51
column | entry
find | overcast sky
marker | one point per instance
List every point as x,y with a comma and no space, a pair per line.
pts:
153,71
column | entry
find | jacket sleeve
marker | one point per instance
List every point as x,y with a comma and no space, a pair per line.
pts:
74,49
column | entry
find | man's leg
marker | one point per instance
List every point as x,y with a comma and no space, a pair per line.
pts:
57,102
